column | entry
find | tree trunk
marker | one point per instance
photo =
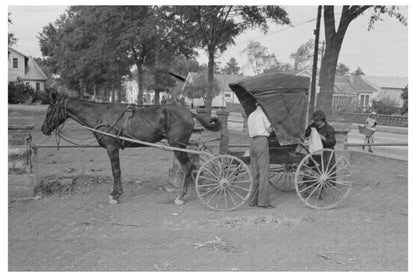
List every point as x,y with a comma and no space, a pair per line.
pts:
157,97
81,89
95,92
140,83
113,95
209,97
329,62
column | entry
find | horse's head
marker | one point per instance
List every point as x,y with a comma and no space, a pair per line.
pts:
56,113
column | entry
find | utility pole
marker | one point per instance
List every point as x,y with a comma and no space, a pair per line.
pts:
311,107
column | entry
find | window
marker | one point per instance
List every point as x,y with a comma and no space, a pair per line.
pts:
15,63
27,84
37,86
364,100
227,95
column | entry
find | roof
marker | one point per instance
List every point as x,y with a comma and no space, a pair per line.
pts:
14,50
351,84
34,72
386,82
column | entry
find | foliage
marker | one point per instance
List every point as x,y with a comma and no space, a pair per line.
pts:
405,101
12,40
231,68
358,72
198,87
342,69
19,92
302,58
386,106
259,58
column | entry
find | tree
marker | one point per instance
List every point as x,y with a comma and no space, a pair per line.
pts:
217,26
259,58
358,72
198,88
12,40
342,69
334,38
19,92
231,68
302,58
386,106
405,101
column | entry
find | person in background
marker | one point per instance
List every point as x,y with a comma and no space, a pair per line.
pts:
259,129
370,123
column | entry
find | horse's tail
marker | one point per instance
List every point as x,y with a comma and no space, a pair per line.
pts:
212,124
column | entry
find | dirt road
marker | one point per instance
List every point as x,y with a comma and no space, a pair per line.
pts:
148,232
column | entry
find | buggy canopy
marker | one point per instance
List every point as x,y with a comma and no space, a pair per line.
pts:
284,99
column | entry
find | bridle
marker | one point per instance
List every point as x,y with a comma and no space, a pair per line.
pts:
57,115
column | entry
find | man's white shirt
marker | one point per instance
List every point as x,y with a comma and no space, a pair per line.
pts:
258,123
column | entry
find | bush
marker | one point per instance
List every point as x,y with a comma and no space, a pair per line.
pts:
20,93
386,106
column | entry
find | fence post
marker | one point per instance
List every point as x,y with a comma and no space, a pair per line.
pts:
225,138
341,135
21,178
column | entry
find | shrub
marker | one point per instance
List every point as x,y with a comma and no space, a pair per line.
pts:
386,106
19,92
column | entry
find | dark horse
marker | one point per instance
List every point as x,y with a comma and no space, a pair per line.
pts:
150,124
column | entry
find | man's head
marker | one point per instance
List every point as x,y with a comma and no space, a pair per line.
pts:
319,117
373,114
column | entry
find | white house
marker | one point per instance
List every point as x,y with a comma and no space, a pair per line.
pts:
25,68
386,87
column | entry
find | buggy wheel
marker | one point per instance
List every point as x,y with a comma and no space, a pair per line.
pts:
323,179
223,183
282,176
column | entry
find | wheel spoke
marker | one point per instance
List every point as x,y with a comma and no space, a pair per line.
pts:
316,164
336,164
232,185
208,191
241,197
313,191
329,162
245,172
200,176
208,185
215,193
234,170
334,187
312,185
232,199
212,174
311,171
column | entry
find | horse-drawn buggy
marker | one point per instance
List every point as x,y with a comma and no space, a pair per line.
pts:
222,181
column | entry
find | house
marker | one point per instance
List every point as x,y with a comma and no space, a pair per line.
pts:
386,87
25,68
351,90
225,95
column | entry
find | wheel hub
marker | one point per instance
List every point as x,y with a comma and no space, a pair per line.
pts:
224,182
323,178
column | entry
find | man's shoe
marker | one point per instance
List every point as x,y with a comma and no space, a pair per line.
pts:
369,150
266,206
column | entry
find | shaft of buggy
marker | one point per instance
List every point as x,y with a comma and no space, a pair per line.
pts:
163,147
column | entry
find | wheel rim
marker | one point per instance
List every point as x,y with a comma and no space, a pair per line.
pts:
224,182
323,185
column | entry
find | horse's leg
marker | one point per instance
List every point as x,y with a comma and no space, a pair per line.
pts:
186,165
113,154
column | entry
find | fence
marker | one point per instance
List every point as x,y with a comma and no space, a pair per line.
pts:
388,120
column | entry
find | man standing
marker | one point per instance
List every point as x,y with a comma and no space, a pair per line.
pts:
259,129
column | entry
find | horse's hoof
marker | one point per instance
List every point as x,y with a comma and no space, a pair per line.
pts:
179,201
112,200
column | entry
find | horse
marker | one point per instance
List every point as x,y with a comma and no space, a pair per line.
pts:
145,123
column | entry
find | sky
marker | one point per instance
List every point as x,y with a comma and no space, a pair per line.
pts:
383,51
